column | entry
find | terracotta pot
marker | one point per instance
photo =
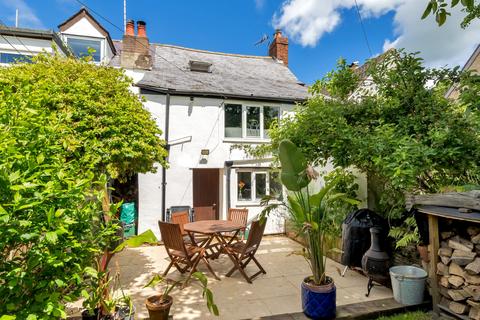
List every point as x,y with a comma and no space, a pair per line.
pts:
157,310
319,302
423,251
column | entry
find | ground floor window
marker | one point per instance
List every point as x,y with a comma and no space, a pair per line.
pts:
253,185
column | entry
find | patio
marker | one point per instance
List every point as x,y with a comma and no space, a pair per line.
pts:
277,292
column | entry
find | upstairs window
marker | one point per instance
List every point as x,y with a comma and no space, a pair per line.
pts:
80,47
233,120
253,122
14,57
249,122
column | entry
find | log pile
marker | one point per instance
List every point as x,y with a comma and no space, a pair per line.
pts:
458,272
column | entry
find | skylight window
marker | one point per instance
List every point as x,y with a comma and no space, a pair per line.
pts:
200,66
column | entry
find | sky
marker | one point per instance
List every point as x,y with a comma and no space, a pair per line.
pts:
319,31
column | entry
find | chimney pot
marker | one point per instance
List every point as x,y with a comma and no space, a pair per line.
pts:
141,29
130,28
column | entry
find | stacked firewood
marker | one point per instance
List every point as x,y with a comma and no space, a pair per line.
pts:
459,272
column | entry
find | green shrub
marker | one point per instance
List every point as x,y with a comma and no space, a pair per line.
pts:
65,125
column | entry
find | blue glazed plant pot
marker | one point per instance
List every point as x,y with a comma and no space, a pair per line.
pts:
319,302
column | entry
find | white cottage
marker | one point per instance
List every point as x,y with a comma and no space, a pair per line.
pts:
206,104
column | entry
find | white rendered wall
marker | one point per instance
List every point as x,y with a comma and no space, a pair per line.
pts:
202,120
83,28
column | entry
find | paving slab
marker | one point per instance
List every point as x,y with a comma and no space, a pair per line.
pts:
275,294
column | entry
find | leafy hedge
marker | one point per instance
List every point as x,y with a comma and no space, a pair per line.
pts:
65,125
396,126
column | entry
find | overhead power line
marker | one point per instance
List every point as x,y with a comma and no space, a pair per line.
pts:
18,39
143,45
363,28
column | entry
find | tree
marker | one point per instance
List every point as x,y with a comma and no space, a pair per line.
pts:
439,8
65,127
403,133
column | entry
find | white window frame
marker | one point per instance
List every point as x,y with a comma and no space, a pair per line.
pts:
102,43
253,191
244,136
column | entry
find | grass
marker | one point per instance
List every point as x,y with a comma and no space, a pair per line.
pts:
417,315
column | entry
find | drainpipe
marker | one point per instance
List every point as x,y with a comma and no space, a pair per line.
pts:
164,170
229,165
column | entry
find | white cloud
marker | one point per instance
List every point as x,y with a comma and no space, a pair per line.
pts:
306,21
447,45
27,17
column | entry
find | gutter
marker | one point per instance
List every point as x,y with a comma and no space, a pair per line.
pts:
222,95
164,170
228,165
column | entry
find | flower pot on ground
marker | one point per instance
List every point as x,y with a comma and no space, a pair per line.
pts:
310,214
104,294
319,301
158,306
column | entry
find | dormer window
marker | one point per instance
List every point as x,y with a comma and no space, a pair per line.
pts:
200,66
80,47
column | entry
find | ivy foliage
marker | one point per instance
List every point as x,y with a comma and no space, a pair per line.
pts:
64,126
397,127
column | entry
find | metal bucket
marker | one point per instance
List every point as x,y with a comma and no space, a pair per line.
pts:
408,284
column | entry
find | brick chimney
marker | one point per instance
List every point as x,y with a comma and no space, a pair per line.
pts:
279,47
130,28
142,29
135,52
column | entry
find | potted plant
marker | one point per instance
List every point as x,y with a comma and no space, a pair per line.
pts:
100,301
309,213
159,305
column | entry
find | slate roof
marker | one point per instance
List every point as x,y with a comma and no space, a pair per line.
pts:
232,75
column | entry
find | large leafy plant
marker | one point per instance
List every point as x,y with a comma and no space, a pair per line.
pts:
308,211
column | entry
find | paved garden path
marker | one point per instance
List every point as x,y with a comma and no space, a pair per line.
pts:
277,292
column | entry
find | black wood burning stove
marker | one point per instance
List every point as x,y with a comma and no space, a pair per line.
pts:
375,262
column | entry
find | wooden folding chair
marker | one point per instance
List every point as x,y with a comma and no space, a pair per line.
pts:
239,216
181,218
204,213
241,253
180,253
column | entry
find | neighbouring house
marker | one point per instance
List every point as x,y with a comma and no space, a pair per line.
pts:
472,64
21,43
76,36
